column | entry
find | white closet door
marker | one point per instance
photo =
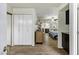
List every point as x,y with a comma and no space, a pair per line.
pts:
16,30
20,29
8,29
23,34
27,29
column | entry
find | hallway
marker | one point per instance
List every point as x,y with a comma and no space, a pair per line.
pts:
48,48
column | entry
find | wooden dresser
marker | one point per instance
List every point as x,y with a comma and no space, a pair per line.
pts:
39,37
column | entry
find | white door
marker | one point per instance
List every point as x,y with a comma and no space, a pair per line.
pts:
8,29
23,33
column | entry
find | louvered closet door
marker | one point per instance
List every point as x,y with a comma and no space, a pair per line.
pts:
16,29
23,33
27,30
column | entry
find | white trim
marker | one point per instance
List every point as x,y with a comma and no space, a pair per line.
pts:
73,29
12,30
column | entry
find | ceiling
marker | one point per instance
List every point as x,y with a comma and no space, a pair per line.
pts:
43,10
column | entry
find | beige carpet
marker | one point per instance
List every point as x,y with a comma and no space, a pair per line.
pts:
48,48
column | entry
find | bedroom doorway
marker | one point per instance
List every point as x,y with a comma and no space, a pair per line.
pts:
47,36
55,30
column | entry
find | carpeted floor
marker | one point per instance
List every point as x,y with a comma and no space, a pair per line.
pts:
47,48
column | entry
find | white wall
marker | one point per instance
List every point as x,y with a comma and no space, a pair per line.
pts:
3,25
27,11
62,27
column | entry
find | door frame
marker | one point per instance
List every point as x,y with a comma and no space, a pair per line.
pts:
73,29
8,13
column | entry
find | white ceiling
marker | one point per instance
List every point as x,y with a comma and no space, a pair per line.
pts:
42,9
